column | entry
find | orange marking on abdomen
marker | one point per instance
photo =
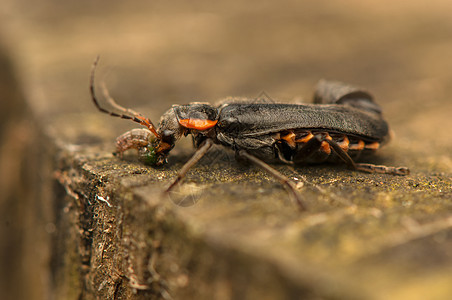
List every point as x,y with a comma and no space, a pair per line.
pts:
373,146
344,144
359,146
197,124
305,139
290,139
325,147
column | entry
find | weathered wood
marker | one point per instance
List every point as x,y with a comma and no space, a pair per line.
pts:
90,226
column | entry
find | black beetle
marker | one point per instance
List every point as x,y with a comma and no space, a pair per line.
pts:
343,123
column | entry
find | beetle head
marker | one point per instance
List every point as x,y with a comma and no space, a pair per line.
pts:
168,132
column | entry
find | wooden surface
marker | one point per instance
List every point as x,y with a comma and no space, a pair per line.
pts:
92,226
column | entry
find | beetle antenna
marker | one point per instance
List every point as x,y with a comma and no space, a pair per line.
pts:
127,114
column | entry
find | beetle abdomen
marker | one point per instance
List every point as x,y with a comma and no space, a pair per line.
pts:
290,146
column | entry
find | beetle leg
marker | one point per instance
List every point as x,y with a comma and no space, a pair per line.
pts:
369,168
190,163
289,184
308,149
315,144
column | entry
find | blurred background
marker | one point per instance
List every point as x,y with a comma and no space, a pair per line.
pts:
156,53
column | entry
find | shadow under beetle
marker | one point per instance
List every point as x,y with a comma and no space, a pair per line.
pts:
343,123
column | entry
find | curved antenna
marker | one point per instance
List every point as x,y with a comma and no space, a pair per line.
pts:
127,114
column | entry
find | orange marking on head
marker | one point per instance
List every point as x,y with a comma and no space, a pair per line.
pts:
325,147
305,139
197,124
290,139
359,146
373,146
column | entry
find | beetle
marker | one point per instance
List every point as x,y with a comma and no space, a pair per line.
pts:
343,123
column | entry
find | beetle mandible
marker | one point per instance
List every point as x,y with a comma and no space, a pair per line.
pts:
343,123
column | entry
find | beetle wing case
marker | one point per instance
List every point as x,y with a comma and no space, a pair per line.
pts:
248,120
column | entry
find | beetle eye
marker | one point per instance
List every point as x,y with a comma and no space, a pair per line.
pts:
147,155
168,136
